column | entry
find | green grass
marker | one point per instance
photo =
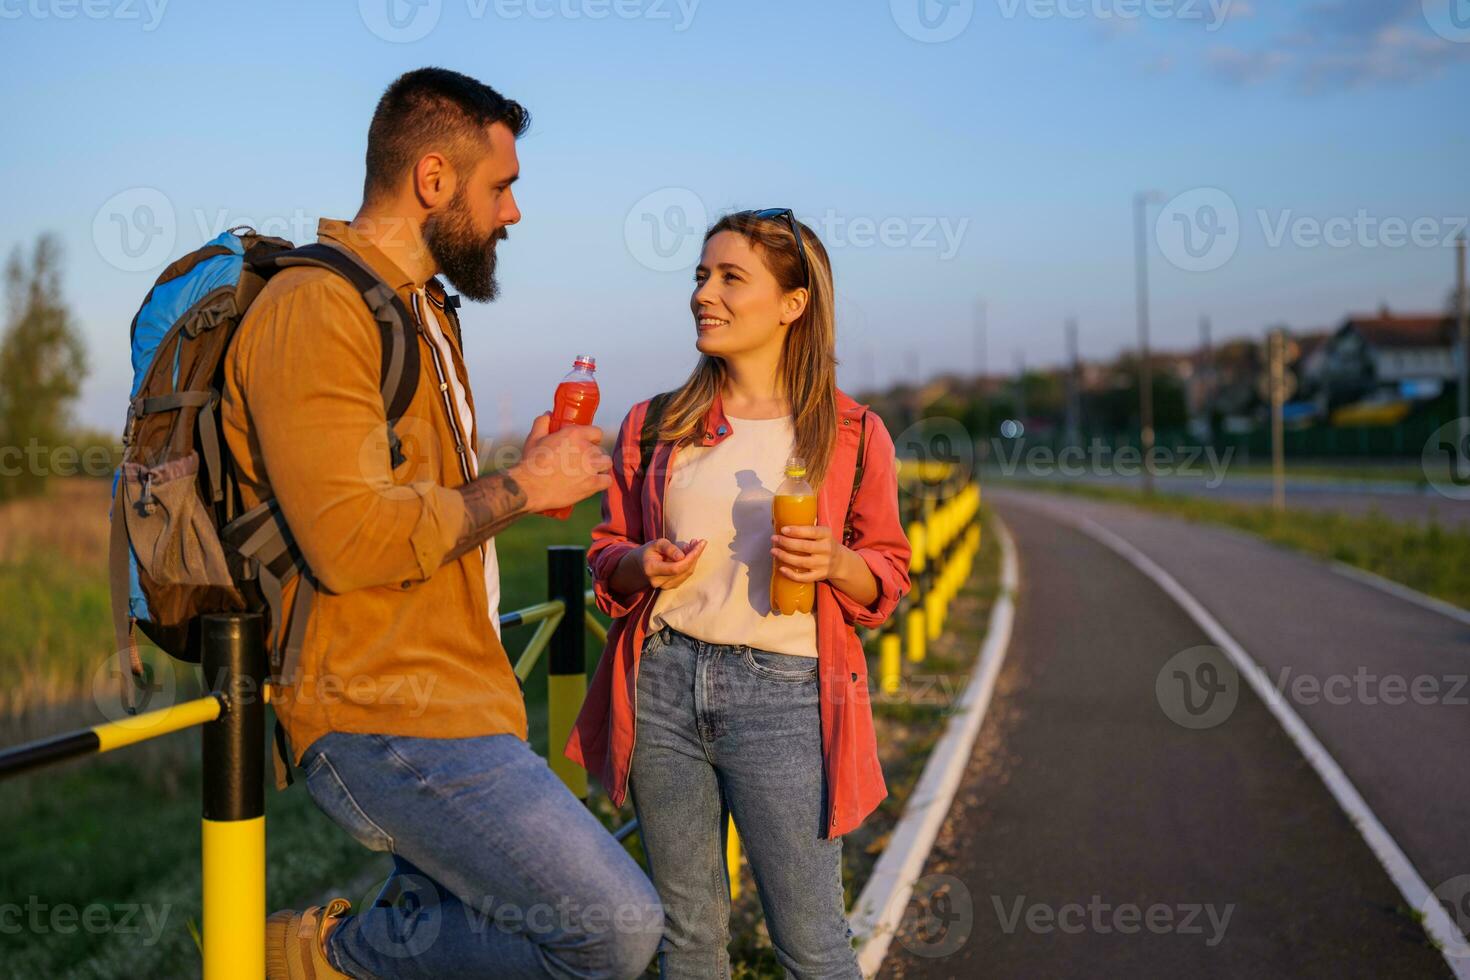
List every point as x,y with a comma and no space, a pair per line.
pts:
1427,557
122,830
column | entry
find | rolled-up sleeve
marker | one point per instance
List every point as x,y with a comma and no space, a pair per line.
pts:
878,535
308,370
621,529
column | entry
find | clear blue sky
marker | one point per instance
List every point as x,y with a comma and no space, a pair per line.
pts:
1024,135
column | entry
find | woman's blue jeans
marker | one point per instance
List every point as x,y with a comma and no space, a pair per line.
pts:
730,730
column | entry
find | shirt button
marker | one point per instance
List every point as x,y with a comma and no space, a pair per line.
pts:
406,583
459,448
444,386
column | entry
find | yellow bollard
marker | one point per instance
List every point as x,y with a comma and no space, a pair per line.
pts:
890,668
916,634
732,859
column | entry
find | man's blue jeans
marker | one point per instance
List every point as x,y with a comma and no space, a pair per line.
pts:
732,730
499,871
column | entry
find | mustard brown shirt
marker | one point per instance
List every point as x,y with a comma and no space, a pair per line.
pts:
396,644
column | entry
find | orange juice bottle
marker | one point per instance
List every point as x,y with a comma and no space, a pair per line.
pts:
795,503
575,404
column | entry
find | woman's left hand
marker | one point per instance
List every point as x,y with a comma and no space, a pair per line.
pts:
807,554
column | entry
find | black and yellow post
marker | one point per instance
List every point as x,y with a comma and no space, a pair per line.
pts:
233,658
566,679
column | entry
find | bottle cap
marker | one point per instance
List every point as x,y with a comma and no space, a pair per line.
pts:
795,467
586,361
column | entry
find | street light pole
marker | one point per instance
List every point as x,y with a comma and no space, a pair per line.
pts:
1141,201
1462,309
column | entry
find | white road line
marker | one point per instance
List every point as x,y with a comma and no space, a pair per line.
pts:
879,909
1436,921
1403,592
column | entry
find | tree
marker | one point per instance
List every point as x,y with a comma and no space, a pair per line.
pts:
42,363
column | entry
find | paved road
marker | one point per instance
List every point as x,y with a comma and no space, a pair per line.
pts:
1087,812
1399,502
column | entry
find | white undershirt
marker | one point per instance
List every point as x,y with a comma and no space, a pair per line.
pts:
722,494
424,311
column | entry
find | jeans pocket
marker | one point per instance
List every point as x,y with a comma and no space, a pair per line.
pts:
779,666
334,799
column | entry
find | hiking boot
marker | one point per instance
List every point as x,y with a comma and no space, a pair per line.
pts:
296,942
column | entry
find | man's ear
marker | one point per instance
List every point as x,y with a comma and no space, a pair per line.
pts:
433,180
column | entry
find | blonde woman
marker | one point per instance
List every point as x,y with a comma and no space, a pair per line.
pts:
705,703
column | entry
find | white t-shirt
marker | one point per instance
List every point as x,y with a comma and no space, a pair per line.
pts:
723,494
425,312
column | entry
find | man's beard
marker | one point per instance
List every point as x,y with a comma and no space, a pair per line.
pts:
466,259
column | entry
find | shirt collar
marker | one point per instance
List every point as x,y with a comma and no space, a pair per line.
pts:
717,425
341,232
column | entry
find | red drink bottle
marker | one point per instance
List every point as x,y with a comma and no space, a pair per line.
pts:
576,403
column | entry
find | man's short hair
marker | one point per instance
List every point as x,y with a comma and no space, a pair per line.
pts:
433,109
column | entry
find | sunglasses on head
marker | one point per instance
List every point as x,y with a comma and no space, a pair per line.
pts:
776,214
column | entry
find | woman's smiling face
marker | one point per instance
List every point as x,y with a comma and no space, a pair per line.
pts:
737,303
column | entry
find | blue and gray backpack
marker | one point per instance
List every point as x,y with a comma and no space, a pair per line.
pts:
181,545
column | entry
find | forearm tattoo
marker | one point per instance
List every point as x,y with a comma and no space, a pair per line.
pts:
491,504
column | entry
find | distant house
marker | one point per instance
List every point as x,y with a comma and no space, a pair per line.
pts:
1389,355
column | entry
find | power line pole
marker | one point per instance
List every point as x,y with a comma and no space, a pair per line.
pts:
1207,369
1462,307
1074,386
1141,201
982,340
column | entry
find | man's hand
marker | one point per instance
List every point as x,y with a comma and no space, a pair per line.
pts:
558,469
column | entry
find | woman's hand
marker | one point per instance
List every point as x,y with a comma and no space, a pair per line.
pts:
662,564
807,554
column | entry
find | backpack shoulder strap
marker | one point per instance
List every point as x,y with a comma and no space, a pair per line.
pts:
857,480
648,436
399,374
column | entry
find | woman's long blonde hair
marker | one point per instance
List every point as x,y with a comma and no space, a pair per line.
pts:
808,366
